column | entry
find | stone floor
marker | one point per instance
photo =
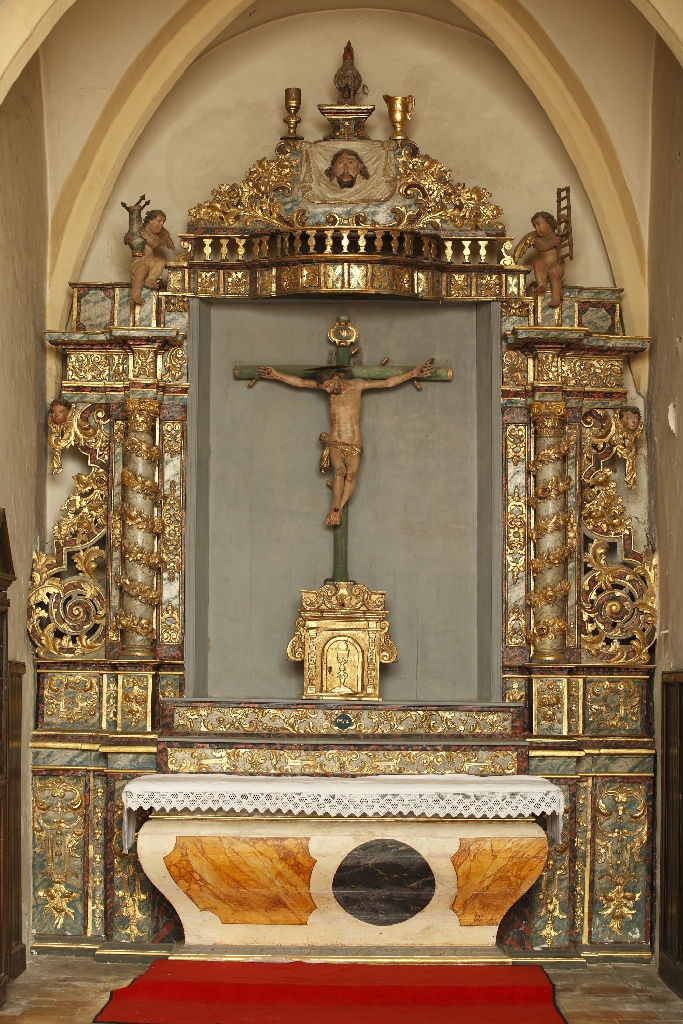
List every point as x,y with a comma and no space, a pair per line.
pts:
57,989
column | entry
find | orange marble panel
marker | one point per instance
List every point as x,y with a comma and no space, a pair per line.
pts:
493,873
251,880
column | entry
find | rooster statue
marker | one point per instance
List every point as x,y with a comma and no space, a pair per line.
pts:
347,80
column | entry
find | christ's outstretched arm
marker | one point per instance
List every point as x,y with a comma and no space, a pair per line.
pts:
268,373
423,370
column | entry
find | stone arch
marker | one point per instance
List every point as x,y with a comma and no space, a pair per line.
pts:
511,28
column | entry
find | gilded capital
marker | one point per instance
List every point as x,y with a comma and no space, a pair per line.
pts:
141,413
549,418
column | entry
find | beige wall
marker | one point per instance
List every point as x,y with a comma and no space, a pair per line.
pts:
23,229
666,394
472,111
82,62
610,46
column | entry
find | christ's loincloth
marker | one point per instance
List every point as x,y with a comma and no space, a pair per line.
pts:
347,450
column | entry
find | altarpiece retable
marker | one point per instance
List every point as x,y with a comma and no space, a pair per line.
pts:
341,218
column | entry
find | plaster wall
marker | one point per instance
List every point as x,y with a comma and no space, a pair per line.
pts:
23,229
610,46
472,111
83,60
666,392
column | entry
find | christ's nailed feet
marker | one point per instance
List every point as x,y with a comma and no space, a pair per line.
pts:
333,517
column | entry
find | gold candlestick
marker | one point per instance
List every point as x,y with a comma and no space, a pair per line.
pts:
292,104
400,108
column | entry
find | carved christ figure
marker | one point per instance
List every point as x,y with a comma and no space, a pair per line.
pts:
343,446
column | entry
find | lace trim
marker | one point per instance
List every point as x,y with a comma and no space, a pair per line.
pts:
483,798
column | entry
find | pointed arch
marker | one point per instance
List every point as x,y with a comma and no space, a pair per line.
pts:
507,23
23,27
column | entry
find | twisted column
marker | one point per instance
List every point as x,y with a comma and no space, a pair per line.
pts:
549,533
140,592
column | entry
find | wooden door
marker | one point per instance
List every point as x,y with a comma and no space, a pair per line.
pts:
671,892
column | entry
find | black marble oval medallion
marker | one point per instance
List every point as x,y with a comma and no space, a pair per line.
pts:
383,882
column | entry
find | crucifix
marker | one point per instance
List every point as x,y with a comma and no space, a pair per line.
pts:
345,384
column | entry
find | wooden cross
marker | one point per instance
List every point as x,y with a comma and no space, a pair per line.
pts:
344,456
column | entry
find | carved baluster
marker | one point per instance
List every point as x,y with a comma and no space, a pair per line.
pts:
311,240
224,249
139,587
408,241
297,242
448,250
466,243
207,248
379,235
362,239
482,250
241,242
329,238
345,241
549,566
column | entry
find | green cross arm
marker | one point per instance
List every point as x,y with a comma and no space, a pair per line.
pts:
363,372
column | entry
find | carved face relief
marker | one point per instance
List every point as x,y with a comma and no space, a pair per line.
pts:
541,226
156,224
59,414
630,421
345,168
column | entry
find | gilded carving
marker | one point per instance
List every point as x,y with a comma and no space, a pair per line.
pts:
620,839
516,627
136,624
550,897
252,201
86,367
140,591
438,199
170,624
173,437
144,363
514,369
515,537
141,414
134,699
84,513
515,436
136,517
139,484
618,606
134,553
334,597
614,704
340,761
172,531
592,372
175,361
321,721
71,698
75,430
75,608
549,705
58,831
97,819
142,450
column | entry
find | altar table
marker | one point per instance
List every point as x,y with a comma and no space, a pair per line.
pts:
258,861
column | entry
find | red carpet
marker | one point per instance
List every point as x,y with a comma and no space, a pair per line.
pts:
214,992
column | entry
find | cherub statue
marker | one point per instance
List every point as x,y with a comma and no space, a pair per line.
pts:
60,430
628,427
144,238
550,263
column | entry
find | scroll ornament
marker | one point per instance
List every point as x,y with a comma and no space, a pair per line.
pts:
69,428
618,598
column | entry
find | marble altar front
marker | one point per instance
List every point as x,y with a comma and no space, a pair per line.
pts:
409,861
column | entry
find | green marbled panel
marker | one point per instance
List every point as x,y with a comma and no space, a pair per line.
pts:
132,912
614,706
70,758
620,882
58,851
552,765
550,895
134,762
71,700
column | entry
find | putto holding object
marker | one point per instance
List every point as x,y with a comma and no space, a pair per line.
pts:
145,238
552,240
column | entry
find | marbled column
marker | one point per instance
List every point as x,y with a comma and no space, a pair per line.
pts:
140,494
549,595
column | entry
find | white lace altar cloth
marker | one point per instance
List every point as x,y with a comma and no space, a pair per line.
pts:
420,796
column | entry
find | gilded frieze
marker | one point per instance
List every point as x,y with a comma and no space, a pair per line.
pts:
71,699
615,706
340,761
321,721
